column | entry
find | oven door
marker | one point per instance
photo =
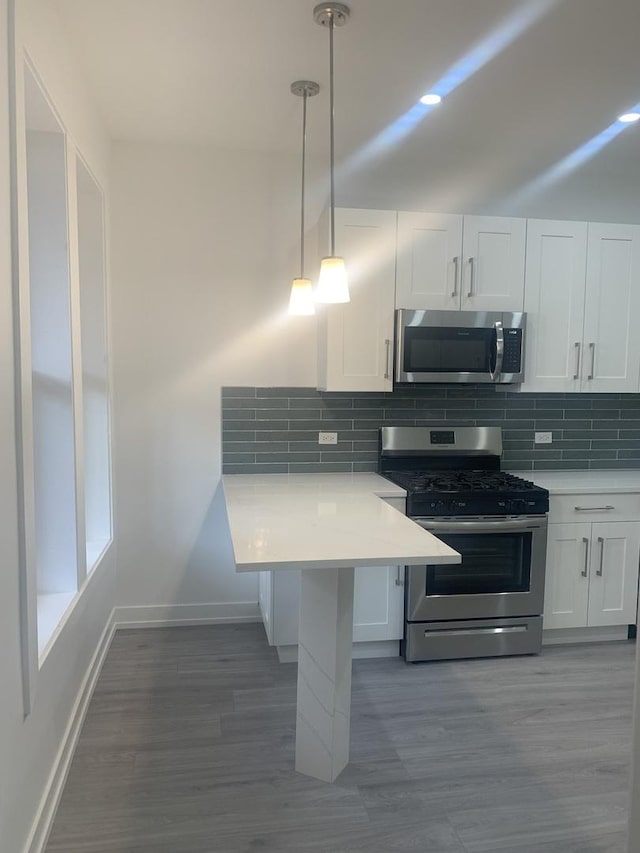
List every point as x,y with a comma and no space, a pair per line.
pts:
501,573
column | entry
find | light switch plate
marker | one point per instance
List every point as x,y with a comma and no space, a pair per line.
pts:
327,438
543,437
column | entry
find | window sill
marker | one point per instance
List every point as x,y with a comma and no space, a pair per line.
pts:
95,552
52,609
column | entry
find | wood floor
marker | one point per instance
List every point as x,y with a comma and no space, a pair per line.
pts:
189,740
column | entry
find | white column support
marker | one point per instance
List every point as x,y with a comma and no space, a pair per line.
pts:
634,804
324,672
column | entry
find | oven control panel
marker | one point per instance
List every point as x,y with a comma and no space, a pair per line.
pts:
420,505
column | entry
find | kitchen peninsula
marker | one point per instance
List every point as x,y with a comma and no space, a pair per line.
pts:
324,524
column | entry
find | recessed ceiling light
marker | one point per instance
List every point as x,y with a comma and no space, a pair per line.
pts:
430,99
628,117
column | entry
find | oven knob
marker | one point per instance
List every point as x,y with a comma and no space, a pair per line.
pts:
441,507
516,506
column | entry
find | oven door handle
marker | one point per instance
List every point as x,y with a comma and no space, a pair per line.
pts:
498,526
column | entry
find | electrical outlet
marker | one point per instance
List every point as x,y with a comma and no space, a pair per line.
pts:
327,438
543,437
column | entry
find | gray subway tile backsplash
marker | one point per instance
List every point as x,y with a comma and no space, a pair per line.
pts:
275,430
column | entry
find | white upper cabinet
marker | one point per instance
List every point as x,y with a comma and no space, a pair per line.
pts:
355,340
493,251
611,340
451,262
429,261
554,302
582,296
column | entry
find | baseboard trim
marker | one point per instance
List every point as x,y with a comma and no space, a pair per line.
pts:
43,822
564,636
370,649
145,616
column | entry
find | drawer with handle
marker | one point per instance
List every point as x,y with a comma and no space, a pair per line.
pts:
594,507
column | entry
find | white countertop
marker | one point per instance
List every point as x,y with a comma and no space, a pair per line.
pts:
298,521
577,482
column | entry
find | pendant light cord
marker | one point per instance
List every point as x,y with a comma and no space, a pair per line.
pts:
304,149
331,145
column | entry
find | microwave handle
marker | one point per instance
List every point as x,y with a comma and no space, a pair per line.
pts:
495,376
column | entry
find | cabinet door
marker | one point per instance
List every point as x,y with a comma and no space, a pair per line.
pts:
612,344
554,301
355,340
265,602
613,591
567,576
429,261
378,603
493,263
286,606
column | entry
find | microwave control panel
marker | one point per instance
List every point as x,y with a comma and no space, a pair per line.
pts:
512,360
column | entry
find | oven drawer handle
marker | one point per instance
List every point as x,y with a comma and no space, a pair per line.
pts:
593,508
465,632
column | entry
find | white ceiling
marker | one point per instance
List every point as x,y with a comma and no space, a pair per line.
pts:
219,72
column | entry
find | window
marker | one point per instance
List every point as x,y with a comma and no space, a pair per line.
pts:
95,376
54,481
66,467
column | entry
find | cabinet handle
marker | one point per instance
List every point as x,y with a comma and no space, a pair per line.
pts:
601,541
593,508
472,276
387,370
577,345
585,570
456,272
592,347
399,577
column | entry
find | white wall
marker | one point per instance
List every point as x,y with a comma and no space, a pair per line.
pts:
28,748
204,244
203,251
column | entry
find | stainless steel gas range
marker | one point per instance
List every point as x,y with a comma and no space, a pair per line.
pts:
491,603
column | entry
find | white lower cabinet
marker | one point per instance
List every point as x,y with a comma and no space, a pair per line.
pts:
592,574
378,604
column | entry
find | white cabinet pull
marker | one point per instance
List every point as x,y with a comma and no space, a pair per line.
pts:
577,345
472,275
585,570
456,271
592,347
387,369
601,541
593,508
400,576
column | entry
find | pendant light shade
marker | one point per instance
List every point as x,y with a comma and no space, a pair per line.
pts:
333,285
301,301
332,282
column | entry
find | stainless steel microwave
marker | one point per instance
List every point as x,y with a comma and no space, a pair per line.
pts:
459,346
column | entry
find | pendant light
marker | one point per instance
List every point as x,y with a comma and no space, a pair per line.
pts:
332,282
301,302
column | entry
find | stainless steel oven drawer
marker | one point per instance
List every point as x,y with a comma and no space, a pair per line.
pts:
472,638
